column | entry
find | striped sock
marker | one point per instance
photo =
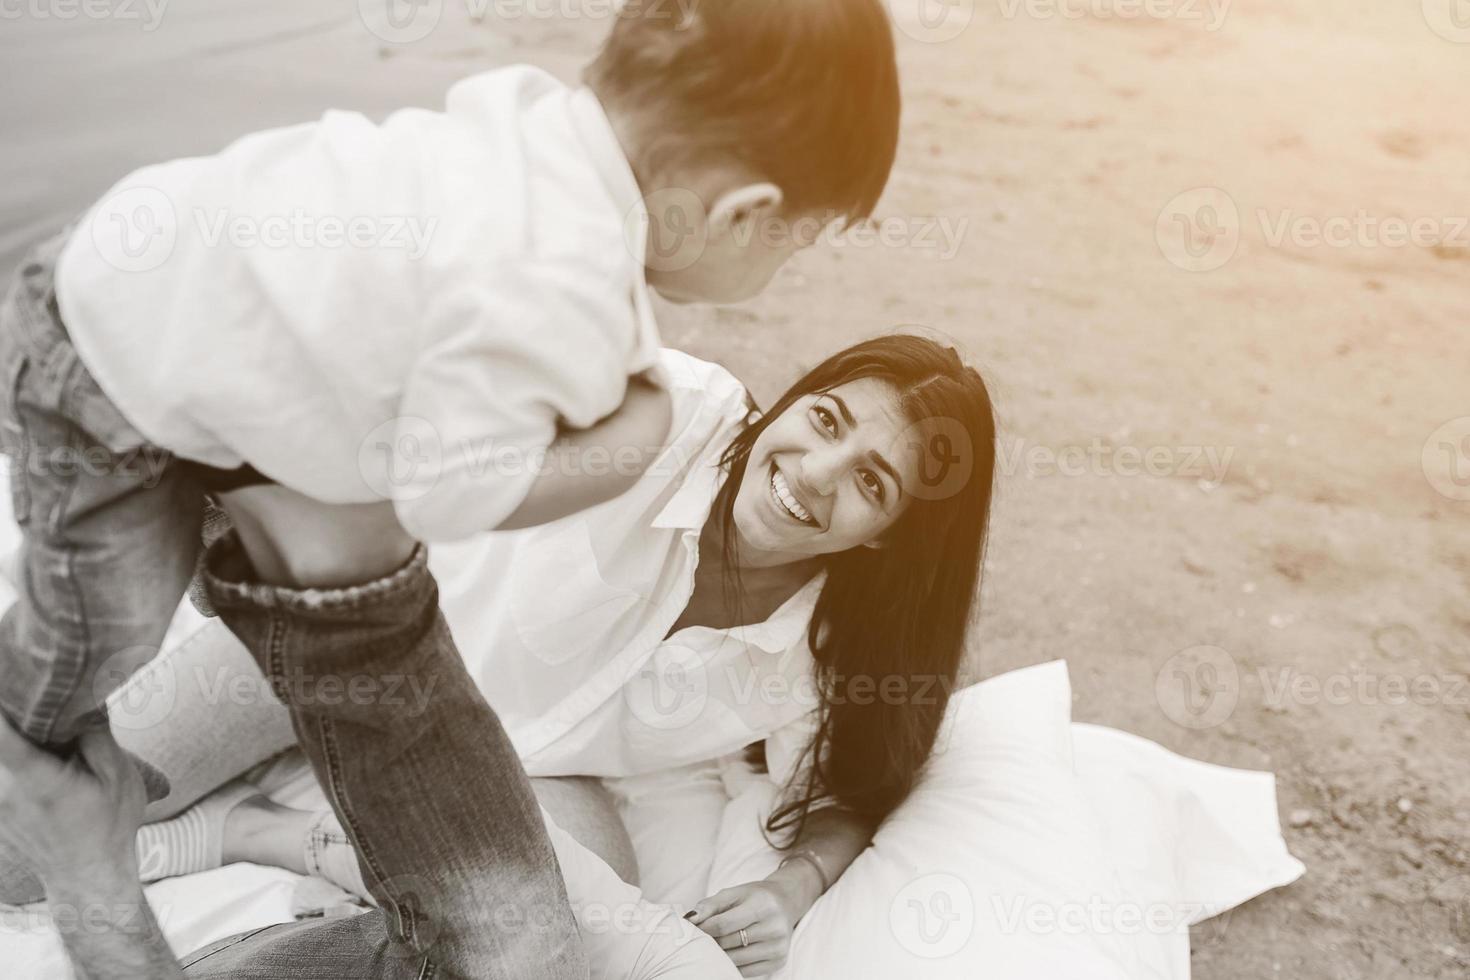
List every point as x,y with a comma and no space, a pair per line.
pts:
194,840
179,846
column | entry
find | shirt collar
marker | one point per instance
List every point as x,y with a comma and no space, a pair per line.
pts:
690,507
789,623
694,499
590,121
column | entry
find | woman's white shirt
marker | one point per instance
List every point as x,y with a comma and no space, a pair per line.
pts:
565,627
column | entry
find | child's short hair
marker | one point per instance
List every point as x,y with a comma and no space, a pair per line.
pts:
803,92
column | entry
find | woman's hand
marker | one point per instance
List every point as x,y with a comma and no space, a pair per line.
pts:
768,912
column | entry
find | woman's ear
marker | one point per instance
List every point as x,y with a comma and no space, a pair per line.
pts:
739,206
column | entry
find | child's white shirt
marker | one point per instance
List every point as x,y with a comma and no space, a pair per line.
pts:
361,310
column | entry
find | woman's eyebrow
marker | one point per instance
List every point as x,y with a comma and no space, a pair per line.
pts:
842,407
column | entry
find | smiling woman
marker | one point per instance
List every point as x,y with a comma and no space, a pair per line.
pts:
797,583
839,470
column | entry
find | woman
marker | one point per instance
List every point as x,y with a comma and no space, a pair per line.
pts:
797,582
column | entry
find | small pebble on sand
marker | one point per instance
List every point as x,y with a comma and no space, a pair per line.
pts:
1301,818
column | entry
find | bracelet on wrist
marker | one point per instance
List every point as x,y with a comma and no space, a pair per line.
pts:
814,861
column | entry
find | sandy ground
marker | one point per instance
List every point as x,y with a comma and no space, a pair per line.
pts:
1283,582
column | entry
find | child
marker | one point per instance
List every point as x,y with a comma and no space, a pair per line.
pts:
408,310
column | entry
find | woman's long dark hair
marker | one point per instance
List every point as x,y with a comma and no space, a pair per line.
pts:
897,614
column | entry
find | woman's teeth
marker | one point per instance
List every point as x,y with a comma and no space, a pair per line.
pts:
781,491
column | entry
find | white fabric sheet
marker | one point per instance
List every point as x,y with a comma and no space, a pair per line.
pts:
1174,827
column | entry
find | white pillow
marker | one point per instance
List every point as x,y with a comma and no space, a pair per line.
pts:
993,869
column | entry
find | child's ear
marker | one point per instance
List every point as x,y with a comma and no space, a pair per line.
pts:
738,206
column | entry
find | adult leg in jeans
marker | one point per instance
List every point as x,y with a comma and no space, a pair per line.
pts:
626,936
413,760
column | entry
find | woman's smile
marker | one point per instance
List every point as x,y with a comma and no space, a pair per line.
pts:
785,500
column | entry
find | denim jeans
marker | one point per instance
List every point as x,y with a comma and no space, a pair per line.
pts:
111,526
356,947
417,767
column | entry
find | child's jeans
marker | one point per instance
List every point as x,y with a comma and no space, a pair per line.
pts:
418,768
111,525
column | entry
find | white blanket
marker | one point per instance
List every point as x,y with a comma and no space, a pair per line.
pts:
1174,825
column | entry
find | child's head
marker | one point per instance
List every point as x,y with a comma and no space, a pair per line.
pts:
750,124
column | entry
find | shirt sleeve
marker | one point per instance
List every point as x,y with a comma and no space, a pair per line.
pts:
544,344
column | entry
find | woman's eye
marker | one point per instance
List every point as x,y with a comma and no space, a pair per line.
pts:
828,420
872,483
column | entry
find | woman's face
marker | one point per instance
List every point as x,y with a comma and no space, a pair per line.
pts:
827,475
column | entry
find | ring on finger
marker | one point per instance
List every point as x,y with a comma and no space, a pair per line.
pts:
744,939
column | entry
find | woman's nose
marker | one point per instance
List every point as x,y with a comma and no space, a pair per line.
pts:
819,471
